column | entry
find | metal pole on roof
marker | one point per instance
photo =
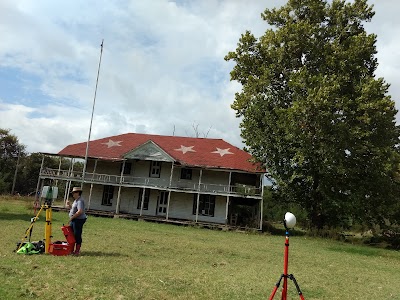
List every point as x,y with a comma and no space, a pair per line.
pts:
91,119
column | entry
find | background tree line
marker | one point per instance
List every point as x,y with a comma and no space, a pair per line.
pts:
20,169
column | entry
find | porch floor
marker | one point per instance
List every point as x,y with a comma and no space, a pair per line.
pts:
159,219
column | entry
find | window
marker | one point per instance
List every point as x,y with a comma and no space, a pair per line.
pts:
145,200
127,168
108,193
155,169
186,173
162,202
206,205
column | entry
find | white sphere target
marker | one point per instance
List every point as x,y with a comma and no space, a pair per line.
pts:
290,220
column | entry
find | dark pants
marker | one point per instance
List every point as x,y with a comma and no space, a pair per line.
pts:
77,225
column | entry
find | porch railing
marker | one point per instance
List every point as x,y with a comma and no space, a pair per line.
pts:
97,178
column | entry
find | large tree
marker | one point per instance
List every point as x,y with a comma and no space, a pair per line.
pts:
314,112
10,150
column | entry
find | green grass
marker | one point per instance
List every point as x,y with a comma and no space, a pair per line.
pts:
124,259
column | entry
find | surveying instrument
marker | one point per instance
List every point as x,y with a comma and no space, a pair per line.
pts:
49,193
289,222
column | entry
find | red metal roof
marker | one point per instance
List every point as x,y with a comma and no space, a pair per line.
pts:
196,152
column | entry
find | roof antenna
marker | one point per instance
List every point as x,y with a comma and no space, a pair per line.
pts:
91,119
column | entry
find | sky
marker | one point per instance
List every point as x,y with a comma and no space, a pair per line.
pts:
162,67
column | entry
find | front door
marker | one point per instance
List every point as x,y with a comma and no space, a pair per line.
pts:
162,203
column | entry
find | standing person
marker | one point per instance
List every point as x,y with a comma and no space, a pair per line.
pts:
77,217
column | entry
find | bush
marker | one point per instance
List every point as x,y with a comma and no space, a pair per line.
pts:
389,238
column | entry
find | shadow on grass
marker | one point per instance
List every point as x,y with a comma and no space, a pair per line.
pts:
25,217
103,253
14,216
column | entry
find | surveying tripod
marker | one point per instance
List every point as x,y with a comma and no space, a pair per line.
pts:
47,229
285,276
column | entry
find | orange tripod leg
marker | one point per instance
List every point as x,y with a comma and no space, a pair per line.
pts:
276,288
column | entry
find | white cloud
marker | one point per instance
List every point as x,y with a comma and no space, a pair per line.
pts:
162,71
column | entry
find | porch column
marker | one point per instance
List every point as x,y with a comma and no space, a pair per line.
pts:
119,188
198,196
228,199
41,189
227,210
37,197
59,170
229,182
67,183
169,190
71,174
91,185
142,202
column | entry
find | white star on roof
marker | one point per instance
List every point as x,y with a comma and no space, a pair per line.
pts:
222,152
185,149
111,143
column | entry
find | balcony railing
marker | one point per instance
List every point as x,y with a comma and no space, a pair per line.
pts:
131,181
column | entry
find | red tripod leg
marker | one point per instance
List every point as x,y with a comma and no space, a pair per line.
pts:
273,293
276,288
284,289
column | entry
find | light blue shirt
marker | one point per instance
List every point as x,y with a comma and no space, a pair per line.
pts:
78,205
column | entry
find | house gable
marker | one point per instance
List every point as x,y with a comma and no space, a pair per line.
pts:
148,151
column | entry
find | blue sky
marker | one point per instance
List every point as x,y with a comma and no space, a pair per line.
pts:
162,71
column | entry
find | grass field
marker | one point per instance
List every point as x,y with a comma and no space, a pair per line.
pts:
123,259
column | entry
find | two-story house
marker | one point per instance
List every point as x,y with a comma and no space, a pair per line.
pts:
170,178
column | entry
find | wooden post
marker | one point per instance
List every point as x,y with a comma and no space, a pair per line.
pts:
169,190
198,196
67,184
227,210
91,185
119,189
142,201
228,200
38,184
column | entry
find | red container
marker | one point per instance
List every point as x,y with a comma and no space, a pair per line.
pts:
60,248
69,234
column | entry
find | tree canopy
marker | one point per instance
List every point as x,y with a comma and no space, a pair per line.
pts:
26,174
10,149
315,114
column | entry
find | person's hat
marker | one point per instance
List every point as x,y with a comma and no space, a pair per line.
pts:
76,189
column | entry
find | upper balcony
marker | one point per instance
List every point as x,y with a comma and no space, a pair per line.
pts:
238,190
